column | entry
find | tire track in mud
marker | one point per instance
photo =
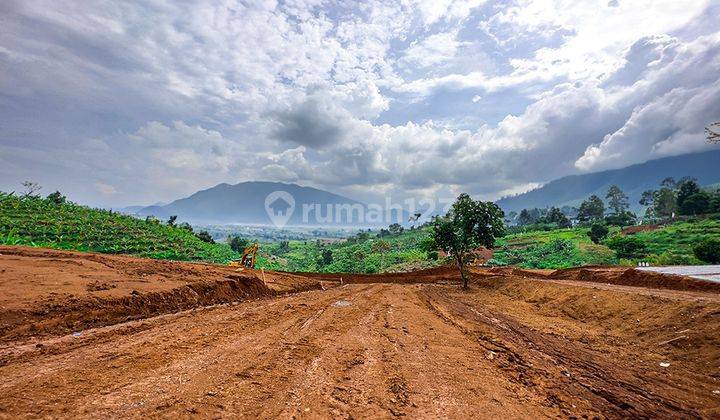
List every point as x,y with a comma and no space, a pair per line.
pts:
356,374
578,381
198,346
360,350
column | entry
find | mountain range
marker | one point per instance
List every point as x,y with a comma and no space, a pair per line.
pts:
245,202
633,180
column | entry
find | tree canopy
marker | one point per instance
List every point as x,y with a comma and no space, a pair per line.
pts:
468,225
591,209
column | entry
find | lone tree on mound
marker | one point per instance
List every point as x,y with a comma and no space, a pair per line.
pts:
468,225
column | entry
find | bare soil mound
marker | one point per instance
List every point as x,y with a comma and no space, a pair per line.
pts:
510,347
631,230
48,291
443,274
633,277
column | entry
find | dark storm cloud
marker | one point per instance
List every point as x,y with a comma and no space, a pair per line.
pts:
312,123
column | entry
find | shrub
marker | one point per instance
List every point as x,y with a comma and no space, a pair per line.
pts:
627,247
56,198
185,226
205,237
598,232
238,244
708,251
698,203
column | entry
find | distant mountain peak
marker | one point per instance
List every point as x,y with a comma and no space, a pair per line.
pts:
244,202
633,180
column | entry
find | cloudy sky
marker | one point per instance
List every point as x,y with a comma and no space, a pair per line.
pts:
121,102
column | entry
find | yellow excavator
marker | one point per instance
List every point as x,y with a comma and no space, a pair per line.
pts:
249,257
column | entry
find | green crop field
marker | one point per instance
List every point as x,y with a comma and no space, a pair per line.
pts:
673,244
359,254
560,248
43,223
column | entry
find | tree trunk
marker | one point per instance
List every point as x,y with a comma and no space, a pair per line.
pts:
459,260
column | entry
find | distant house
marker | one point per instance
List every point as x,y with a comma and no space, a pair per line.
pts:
280,207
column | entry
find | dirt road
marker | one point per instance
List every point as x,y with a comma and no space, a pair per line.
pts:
510,347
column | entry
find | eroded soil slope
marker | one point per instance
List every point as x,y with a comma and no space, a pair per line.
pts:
49,292
516,345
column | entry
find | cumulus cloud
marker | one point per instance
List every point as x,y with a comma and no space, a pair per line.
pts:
435,49
154,101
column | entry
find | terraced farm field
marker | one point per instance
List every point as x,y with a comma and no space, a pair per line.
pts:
42,223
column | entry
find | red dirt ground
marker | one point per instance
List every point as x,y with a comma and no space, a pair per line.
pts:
519,343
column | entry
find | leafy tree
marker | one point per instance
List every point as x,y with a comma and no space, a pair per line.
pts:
428,245
698,203
591,209
56,198
617,200
205,237
327,257
598,232
668,182
524,218
468,225
661,203
714,206
237,243
284,247
555,215
530,217
708,251
171,221
185,226
665,203
362,236
395,229
647,198
627,246
685,188
624,218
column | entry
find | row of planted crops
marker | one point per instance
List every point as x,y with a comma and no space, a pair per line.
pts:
43,222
